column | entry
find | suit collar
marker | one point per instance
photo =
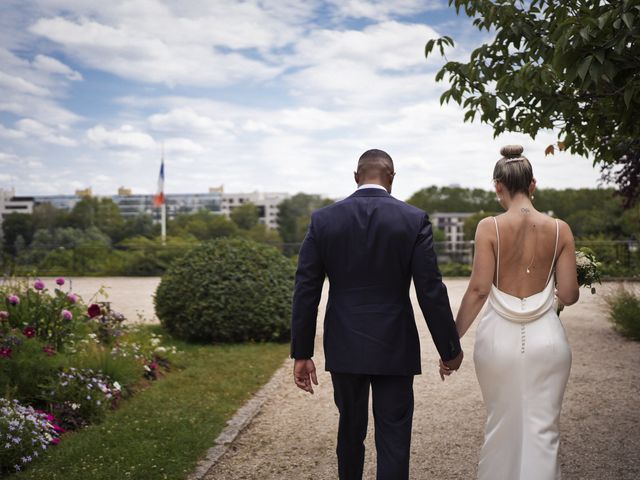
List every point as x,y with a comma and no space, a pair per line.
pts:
370,192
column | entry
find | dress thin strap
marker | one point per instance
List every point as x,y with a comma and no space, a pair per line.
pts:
498,254
555,251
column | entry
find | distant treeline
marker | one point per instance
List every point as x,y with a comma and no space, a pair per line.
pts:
592,213
94,238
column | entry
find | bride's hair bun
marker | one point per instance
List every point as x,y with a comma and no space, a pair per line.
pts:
513,170
511,151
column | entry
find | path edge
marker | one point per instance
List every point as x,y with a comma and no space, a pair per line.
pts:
236,425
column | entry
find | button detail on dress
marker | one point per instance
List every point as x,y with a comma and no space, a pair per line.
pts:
522,338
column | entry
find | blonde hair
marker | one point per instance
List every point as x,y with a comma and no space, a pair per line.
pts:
513,170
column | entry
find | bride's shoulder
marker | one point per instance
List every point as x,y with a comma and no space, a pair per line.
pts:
486,227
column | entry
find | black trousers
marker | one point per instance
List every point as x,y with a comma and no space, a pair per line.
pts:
392,413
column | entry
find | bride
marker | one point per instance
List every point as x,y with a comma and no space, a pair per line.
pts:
521,353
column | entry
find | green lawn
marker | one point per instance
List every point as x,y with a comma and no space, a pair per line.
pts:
161,432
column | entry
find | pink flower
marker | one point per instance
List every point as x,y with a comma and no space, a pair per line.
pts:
154,366
73,298
50,351
55,441
5,352
94,310
14,299
38,284
29,332
60,281
67,315
4,315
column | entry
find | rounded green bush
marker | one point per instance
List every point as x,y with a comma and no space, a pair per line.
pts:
227,290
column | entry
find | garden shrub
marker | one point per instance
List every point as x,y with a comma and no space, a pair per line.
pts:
624,312
455,269
228,290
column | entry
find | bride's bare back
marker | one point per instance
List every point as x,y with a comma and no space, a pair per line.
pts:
527,243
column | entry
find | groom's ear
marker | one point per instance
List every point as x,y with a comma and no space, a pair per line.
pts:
356,177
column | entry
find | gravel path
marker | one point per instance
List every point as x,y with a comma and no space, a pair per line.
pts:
293,436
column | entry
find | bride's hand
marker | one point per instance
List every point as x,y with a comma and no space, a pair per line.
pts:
444,370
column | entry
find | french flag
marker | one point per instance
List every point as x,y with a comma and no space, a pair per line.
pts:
159,199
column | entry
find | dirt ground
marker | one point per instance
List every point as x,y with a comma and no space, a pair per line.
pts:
293,436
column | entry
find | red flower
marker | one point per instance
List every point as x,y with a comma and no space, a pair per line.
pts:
5,352
94,310
29,332
49,350
55,441
154,366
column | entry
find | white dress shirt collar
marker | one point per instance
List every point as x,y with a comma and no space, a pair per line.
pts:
371,185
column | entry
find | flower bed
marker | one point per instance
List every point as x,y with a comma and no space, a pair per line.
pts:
63,365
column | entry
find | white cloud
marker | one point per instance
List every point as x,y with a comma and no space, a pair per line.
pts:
124,137
10,133
188,119
43,132
51,65
20,85
382,9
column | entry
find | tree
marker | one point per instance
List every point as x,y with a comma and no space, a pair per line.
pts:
102,213
203,225
453,199
245,216
16,225
572,65
294,215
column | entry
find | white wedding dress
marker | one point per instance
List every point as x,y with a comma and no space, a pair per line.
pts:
522,361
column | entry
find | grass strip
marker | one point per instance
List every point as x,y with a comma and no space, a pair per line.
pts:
162,431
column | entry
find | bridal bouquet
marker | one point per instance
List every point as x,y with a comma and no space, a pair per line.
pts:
588,268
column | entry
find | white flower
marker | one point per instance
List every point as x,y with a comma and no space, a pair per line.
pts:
117,386
160,350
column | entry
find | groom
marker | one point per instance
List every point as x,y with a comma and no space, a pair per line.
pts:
370,246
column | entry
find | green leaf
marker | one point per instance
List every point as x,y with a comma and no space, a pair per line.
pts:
600,56
628,94
429,47
603,19
583,69
627,18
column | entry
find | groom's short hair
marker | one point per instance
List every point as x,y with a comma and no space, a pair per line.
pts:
374,163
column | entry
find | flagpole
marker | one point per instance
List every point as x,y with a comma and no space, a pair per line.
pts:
163,211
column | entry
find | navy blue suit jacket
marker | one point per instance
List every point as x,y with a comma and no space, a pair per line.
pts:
370,246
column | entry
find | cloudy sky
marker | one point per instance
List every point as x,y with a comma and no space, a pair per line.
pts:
272,95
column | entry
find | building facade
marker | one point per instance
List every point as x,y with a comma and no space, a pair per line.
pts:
452,225
267,204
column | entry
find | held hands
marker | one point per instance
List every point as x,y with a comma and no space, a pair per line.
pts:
304,373
450,366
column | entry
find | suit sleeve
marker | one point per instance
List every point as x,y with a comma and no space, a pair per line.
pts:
306,296
432,294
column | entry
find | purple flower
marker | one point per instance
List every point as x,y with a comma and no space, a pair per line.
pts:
4,315
14,299
67,315
38,284
73,298
60,281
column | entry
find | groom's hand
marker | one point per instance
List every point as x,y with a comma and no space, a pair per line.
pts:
304,373
450,366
